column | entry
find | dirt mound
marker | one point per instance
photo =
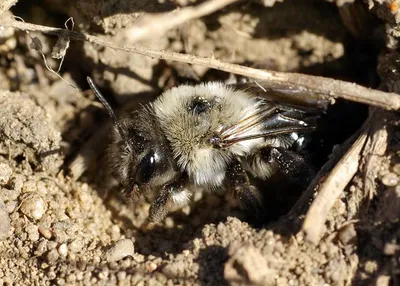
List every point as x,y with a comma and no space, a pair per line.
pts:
68,227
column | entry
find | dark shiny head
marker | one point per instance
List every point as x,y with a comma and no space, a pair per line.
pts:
139,153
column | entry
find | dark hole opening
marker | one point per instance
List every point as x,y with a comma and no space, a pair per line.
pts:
340,122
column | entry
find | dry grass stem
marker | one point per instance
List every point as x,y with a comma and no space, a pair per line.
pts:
325,87
303,202
331,189
36,45
375,149
5,5
158,24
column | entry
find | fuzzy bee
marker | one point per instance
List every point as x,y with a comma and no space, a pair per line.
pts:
209,137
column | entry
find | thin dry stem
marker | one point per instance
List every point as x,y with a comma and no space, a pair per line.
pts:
158,24
5,5
375,149
325,87
36,44
331,189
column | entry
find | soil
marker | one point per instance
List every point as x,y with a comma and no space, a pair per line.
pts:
63,224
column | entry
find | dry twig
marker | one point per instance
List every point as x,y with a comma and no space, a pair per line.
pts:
5,5
331,189
304,201
36,45
157,24
323,86
375,150
62,45
367,150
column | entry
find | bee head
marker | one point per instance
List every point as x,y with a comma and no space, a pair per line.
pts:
139,155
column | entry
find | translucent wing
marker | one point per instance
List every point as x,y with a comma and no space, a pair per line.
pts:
286,95
283,110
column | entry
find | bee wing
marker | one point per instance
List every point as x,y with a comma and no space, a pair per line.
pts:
284,110
286,95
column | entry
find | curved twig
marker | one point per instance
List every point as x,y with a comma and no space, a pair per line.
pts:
326,87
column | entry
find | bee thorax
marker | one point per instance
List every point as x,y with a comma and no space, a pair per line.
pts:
193,117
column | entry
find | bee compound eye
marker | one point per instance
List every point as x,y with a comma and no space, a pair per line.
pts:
199,105
146,168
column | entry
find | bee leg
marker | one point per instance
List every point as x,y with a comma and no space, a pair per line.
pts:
170,196
160,206
248,195
291,164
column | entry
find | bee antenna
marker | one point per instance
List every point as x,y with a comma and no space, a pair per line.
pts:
106,105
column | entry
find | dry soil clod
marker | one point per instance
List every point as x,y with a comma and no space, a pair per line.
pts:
33,207
120,250
5,173
248,266
4,221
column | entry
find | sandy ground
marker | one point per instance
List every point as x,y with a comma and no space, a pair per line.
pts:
57,229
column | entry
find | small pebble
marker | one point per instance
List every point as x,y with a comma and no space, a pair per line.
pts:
10,206
391,249
76,245
370,266
32,231
127,262
52,275
347,234
396,168
121,275
383,280
138,258
52,256
29,187
4,221
51,245
41,248
174,269
71,278
33,207
115,232
41,188
151,266
120,250
390,179
45,232
63,250
79,276
5,173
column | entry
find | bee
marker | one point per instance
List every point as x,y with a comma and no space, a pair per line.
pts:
209,137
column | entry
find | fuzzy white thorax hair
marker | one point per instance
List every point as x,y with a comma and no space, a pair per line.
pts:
182,197
189,133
